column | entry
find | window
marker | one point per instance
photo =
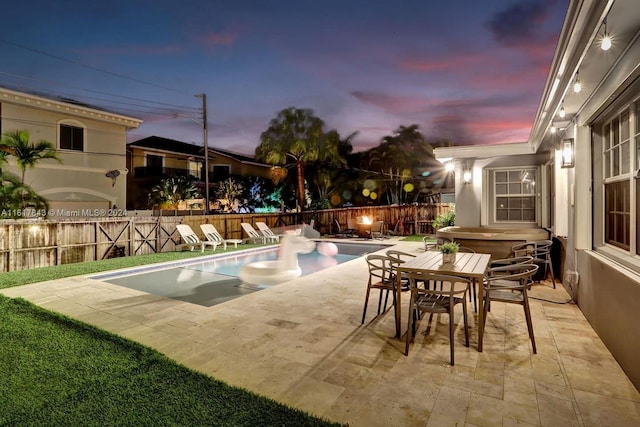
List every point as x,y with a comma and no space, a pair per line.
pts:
514,195
617,177
221,172
71,137
195,169
154,164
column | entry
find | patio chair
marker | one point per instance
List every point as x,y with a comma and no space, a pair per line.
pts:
437,301
399,257
380,277
432,242
509,284
212,235
339,232
192,240
267,233
377,230
254,236
540,250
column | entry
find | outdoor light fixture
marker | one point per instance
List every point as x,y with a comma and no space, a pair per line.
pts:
567,153
467,176
562,113
553,128
449,167
605,43
577,86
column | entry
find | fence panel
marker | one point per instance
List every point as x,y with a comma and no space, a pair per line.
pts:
26,244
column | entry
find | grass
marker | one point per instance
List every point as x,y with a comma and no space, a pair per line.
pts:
413,238
59,371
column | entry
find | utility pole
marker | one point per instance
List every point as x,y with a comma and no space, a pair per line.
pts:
206,151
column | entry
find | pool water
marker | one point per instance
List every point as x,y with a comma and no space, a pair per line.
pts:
215,280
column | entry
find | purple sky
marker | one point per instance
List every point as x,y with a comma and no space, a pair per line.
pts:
469,71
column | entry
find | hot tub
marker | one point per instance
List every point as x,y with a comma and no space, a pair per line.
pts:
496,241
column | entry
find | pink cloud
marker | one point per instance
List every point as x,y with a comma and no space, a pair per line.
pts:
219,39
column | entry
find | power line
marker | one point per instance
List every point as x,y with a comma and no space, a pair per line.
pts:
91,67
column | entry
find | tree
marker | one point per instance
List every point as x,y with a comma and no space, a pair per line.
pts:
172,190
397,158
27,154
296,137
16,196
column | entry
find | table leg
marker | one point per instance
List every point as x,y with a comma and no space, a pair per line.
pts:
480,314
398,304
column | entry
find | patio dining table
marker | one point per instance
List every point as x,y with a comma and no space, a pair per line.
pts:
468,265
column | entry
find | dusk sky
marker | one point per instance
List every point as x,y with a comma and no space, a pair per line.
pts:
468,71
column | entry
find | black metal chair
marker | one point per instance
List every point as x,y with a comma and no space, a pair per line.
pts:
540,250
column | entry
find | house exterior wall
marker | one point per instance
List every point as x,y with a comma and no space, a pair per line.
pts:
79,180
609,297
608,292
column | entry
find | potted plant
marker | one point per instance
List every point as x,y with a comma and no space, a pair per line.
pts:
449,251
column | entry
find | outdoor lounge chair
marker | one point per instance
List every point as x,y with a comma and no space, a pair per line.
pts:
267,233
192,240
212,235
254,236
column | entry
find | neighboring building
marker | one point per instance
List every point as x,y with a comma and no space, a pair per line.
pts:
154,158
591,203
90,143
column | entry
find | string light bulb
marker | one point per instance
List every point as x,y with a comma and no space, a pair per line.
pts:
553,128
605,43
577,85
562,113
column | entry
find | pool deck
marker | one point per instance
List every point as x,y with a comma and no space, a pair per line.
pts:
302,344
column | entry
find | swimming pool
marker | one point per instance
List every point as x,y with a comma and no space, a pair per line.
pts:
214,280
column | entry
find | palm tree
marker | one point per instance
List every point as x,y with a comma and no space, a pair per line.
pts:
27,154
296,137
16,196
171,191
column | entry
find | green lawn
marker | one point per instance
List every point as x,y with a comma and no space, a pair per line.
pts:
58,371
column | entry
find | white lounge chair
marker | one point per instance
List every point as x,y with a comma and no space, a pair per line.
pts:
267,233
192,240
254,236
211,233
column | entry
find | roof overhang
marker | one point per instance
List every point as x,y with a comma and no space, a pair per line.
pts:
42,103
445,154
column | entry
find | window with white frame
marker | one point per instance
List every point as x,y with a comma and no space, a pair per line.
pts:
514,192
71,137
617,180
195,169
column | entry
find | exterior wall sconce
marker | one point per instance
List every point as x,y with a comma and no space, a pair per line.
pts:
566,147
467,176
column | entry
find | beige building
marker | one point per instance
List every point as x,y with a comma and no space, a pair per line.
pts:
91,144
154,158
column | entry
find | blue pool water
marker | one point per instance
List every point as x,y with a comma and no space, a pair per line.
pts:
215,280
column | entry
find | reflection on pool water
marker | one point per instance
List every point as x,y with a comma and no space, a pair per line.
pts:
215,280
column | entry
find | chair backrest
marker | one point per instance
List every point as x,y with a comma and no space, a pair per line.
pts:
515,276
187,234
511,261
264,228
379,268
399,257
465,249
447,285
377,227
250,230
211,233
539,249
337,225
433,242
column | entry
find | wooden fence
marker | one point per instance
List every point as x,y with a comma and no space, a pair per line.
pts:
26,244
